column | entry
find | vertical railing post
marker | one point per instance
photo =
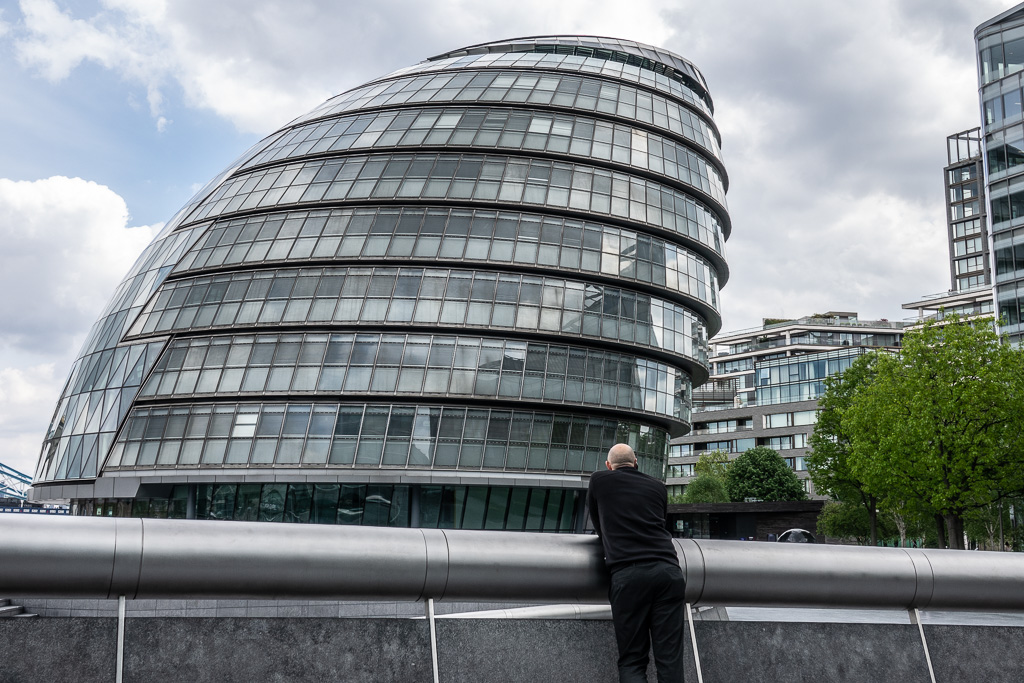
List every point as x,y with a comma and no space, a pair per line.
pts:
119,669
693,643
433,637
915,618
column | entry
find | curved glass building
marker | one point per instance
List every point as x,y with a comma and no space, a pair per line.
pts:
435,300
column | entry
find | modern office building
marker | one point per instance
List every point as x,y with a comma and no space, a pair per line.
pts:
765,384
1000,45
966,215
435,300
970,262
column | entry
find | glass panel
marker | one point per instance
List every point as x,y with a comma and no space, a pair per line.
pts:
247,504
222,503
351,503
497,507
378,504
299,503
272,503
535,512
325,504
430,506
552,513
475,508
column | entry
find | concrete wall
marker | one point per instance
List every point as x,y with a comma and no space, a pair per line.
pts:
357,650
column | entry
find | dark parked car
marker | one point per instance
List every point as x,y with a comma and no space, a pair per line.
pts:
796,536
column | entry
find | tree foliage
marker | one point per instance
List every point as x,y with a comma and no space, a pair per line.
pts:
938,425
706,488
844,520
851,520
828,460
763,474
986,525
715,463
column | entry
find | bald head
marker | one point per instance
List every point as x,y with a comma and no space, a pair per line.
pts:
620,455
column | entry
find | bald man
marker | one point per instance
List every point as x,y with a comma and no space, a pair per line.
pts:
647,589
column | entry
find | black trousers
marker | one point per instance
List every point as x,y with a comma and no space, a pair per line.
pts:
648,610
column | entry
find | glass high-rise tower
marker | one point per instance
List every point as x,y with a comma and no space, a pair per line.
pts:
435,300
1000,44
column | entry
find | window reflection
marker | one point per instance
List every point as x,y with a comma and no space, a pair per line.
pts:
525,130
385,505
390,436
801,378
473,178
580,93
446,234
445,297
387,364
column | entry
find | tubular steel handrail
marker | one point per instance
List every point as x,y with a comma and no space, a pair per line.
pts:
89,557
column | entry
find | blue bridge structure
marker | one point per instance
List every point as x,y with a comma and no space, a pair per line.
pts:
13,484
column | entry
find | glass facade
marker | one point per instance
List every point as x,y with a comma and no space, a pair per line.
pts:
419,365
434,301
801,378
765,384
108,373
1000,45
473,178
585,94
404,297
503,129
255,435
421,506
548,243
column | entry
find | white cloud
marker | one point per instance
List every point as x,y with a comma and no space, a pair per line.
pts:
65,248
867,254
28,397
260,63
56,43
834,119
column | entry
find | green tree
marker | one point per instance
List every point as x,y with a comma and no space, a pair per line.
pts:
938,425
706,488
715,463
845,520
762,473
827,460
991,527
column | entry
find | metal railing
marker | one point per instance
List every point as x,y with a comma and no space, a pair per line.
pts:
149,558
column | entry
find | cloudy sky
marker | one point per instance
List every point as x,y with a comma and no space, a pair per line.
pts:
833,117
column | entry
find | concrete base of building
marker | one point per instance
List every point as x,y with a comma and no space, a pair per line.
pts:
356,650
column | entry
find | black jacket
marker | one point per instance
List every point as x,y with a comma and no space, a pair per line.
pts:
627,509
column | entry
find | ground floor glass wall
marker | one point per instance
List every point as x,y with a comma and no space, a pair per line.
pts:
420,506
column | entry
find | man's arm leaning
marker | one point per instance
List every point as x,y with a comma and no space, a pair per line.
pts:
594,517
